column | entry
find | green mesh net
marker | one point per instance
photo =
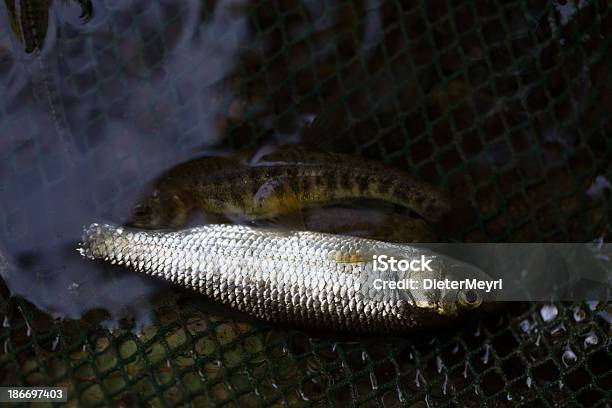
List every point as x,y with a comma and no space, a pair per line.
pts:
507,105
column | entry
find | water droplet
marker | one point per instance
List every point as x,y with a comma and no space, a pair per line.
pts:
373,381
591,340
6,343
427,401
485,357
55,343
416,378
6,322
549,312
465,370
569,357
477,333
25,319
592,304
561,385
600,184
400,394
456,349
558,329
526,326
529,381
537,342
509,397
606,316
579,314
445,384
113,325
364,356
439,364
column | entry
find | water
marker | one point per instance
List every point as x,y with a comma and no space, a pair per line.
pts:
373,381
558,330
55,343
569,357
485,356
439,364
579,314
77,150
445,384
526,326
599,186
567,9
549,312
591,340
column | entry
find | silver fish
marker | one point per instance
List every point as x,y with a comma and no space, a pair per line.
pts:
303,278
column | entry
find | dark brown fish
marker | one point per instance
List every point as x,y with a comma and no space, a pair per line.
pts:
268,186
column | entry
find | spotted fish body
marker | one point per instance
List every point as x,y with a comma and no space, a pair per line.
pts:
301,278
261,189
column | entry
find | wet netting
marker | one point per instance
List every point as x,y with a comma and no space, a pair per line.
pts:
506,105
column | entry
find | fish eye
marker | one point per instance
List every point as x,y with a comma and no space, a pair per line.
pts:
140,210
469,299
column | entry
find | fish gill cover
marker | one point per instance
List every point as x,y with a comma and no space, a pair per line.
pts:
505,105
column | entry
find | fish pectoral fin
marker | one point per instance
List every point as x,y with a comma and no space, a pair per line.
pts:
235,214
277,198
